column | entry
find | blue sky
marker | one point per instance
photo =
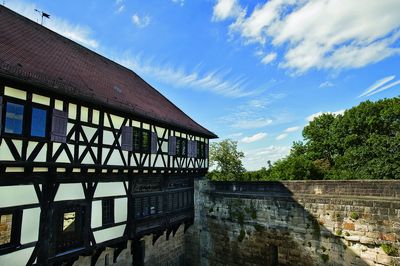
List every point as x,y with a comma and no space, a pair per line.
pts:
252,71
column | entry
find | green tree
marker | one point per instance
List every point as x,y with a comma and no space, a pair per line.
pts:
227,160
363,143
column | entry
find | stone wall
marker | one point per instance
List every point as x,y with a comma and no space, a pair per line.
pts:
163,253
295,223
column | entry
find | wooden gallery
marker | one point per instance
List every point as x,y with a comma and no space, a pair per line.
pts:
91,156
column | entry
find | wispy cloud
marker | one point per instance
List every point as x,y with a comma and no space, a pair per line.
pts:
313,116
76,32
254,138
216,81
291,129
140,21
326,84
251,124
318,34
268,58
120,7
281,136
379,85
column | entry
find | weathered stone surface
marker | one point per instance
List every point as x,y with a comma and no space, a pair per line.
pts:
310,225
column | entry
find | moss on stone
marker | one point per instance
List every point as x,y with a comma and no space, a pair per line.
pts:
339,232
325,257
389,249
258,227
354,215
241,235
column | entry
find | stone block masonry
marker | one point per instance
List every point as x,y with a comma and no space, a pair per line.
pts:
295,223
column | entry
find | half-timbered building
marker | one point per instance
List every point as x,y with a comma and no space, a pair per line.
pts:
91,156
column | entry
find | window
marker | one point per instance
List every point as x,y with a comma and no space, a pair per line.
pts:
10,224
5,229
14,118
201,150
18,124
141,140
39,121
69,228
108,211
181,147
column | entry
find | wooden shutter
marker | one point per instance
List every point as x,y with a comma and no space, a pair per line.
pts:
153,148
1,114
194,149
127,138
172,145
59,123
189,149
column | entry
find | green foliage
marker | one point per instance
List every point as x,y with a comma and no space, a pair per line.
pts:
241,235
258,227
389,249
354,215
339,232
227,161
363,143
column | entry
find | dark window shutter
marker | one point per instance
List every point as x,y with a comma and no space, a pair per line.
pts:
190,149
59,123
127,138
206,151
1,114
153,142
194,149
172,145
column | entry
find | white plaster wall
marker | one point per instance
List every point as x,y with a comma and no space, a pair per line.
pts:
70,192
109,233
120,210
18,258
30,225
17,195
96,214
110,189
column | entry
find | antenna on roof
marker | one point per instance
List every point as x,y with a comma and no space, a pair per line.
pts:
43,14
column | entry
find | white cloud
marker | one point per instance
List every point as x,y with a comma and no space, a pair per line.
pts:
224,9
326,84
254,138
140,22
379,86
313,116
385,87
323,34
281,136
76,32
291,129
216,81
257,158
268,58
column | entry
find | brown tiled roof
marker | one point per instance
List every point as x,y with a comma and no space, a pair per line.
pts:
37,55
